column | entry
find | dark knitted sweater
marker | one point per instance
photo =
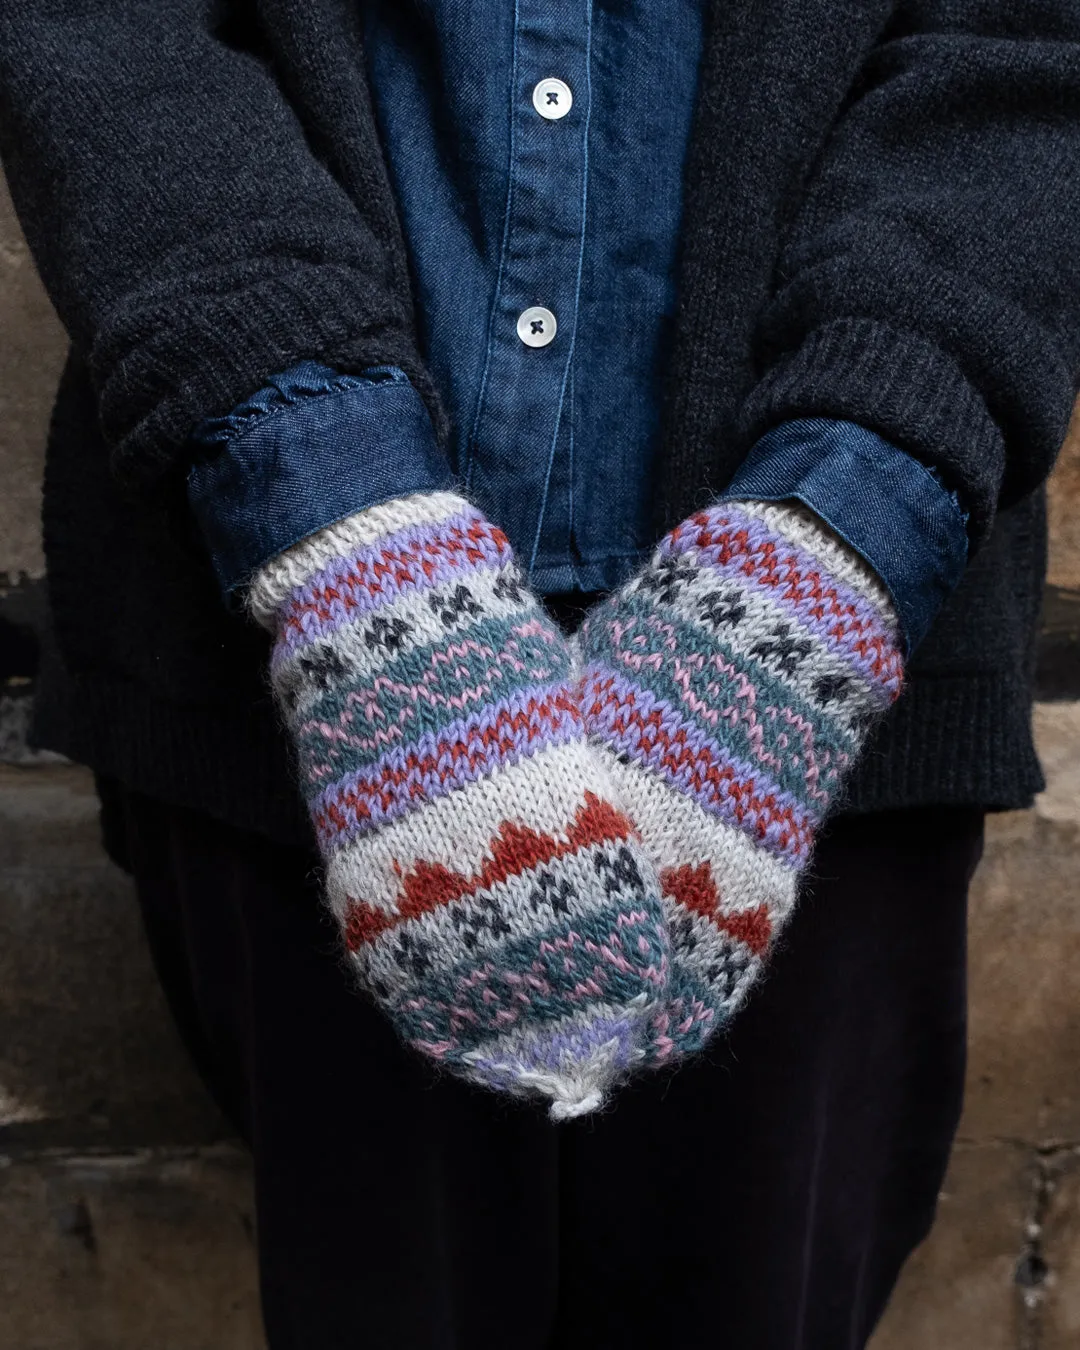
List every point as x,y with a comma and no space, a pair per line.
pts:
882,224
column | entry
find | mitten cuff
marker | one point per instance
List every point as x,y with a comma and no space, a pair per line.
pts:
885,504
277,579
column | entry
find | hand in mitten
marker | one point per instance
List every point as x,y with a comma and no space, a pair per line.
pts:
492,897
730,685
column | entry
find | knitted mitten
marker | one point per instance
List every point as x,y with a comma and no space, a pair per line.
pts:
491,896
732,683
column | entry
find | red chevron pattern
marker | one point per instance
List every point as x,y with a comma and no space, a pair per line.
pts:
515,849
695,889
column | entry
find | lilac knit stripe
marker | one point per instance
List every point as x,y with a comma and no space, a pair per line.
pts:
743,798
865,625
308,615
461,752
339,569
683,540
550,1054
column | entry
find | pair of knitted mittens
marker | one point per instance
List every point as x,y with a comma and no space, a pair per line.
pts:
547,877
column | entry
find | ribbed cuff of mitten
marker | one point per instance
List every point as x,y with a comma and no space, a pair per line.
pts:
887,506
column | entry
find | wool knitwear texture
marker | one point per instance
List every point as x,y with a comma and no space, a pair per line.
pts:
204,193
491,895
730,687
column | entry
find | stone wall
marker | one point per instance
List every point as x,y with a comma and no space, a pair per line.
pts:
125,1211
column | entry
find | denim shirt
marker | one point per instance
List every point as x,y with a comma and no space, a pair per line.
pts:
536,151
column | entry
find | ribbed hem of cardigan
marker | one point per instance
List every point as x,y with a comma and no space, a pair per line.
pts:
951,741
898,385
198,361
230,762
959,741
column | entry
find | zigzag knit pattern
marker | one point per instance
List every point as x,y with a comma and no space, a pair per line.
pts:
731,685
491,896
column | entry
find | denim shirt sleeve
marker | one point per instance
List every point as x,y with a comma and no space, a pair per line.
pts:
889,507
310,448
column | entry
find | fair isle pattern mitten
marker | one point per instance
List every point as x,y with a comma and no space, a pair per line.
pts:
492,898
732,683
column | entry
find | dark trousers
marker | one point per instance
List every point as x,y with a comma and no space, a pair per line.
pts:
763,1197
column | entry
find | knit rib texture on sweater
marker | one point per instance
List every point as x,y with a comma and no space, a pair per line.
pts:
729,687
491,895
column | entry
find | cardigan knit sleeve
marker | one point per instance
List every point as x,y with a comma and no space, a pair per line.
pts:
189,235
929,288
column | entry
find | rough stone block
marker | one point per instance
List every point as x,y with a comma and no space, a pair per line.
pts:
128,1252
31,355
958,1291
1065,513
87,1051
1060,1313
1025,957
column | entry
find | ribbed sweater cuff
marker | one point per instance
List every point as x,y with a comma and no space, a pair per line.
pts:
898,385
962,740
174,365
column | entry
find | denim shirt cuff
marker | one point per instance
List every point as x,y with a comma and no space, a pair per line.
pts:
889,507
310,448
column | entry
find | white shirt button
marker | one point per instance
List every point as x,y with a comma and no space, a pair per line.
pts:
552,99
536,326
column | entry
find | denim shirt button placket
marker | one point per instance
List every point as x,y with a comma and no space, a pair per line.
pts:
521,429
